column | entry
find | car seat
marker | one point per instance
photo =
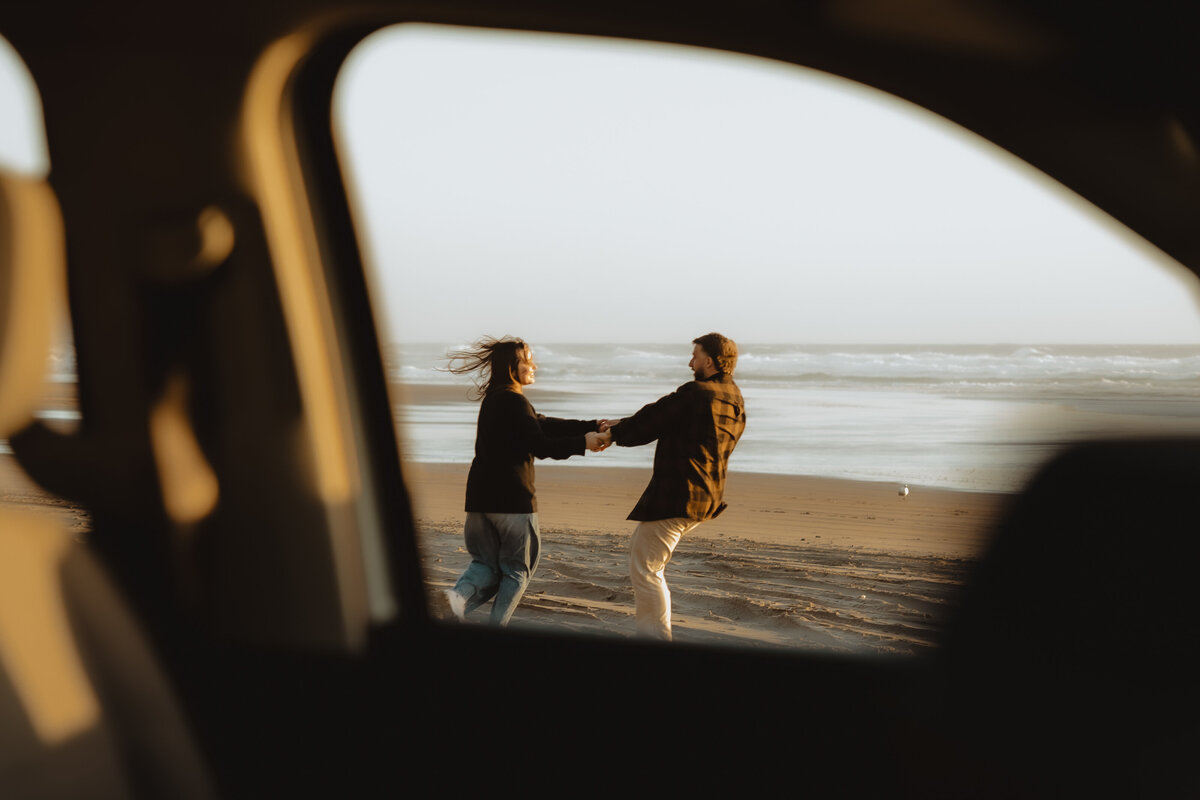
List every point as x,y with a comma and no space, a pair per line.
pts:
85,709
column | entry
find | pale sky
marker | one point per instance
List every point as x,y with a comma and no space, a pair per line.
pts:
565,189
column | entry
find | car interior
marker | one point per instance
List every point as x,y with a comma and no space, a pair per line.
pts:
247,615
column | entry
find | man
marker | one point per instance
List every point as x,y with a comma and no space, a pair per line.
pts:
697,427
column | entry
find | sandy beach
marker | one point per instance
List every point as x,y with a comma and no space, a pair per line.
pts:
795,562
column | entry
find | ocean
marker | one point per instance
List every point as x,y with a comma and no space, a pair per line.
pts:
966,417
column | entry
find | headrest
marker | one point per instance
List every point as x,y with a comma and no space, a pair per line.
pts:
32,275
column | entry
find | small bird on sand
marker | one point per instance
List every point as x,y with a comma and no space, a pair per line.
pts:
903,491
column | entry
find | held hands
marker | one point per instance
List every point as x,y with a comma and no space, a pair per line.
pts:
598,441
601,440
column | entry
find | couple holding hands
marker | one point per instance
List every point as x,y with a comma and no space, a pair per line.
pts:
696,427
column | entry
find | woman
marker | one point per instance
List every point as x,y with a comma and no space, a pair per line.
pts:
501,530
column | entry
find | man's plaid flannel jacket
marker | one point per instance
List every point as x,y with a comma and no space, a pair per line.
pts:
697,427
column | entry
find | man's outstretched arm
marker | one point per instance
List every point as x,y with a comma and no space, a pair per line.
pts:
648,424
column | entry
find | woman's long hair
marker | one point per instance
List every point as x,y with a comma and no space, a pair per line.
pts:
492,362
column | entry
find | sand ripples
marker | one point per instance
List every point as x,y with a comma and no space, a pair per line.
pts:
729,590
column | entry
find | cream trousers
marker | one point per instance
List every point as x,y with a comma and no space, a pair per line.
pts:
649,553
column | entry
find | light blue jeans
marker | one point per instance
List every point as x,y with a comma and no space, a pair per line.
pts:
504,549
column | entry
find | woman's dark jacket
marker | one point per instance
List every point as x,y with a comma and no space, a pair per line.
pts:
510,434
